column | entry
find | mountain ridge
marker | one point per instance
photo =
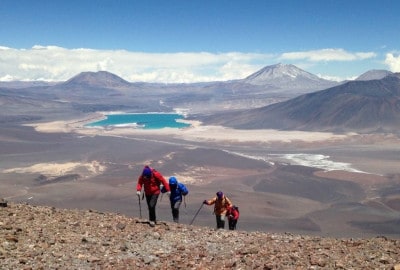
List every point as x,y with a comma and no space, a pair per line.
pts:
354,106
374,74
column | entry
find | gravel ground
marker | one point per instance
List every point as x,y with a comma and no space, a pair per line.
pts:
40,237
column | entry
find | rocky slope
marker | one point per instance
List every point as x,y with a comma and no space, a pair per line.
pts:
39,237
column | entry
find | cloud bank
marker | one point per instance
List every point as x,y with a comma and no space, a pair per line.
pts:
393,62
53,63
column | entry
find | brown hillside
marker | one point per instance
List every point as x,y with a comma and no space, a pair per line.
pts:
37,237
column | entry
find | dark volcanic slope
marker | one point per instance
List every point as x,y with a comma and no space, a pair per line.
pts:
355,106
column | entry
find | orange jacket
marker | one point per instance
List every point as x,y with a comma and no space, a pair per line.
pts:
221,206
152,185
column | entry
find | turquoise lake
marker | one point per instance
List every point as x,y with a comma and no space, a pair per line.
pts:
142,121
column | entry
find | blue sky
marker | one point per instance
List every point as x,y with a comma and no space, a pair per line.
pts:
190,41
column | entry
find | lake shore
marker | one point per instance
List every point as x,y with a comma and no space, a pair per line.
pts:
196,132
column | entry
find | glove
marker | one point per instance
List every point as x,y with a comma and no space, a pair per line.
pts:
205,202
138,193
168,193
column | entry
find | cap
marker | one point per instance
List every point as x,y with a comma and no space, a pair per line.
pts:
220,194
146,172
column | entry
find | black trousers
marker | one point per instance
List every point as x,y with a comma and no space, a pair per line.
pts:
151,204
232,224
220,221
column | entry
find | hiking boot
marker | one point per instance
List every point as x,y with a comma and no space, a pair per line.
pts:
152,224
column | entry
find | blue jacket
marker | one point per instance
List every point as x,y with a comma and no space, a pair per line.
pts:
177,190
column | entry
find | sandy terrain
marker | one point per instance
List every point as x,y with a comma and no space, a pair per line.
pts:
58,169
65,164
196,132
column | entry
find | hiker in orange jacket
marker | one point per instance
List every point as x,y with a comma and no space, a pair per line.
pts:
221,205
151,180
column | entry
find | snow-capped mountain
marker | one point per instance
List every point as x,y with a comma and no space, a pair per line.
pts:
287,77
374,74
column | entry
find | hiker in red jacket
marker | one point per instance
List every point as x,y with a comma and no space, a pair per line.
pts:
151,180
233,215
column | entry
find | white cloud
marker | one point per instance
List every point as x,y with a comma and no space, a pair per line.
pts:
58,64
393,62
53,63
327,55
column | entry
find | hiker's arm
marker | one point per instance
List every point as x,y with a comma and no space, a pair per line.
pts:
209,202
183,189
162,180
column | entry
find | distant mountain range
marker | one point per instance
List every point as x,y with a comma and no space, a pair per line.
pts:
277,96
369,105
277,77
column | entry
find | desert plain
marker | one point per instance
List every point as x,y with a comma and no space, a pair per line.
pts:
314,183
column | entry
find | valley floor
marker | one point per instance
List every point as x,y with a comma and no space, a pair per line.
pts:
301,182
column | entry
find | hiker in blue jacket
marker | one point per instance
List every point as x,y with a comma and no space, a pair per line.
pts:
178,190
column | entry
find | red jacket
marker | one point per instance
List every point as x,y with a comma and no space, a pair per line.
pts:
232,213
152,185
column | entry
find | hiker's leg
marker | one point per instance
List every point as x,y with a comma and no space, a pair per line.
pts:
217,218
223,222
175,211
231,224
152,202
234,224
220,221
172,209
148,198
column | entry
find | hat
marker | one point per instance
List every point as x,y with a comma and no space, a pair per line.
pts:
220,194
146,172
173,181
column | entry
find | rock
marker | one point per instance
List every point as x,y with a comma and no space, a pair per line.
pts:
121,226
3,203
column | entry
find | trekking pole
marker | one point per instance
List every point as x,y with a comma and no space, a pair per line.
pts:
196,214
184,201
